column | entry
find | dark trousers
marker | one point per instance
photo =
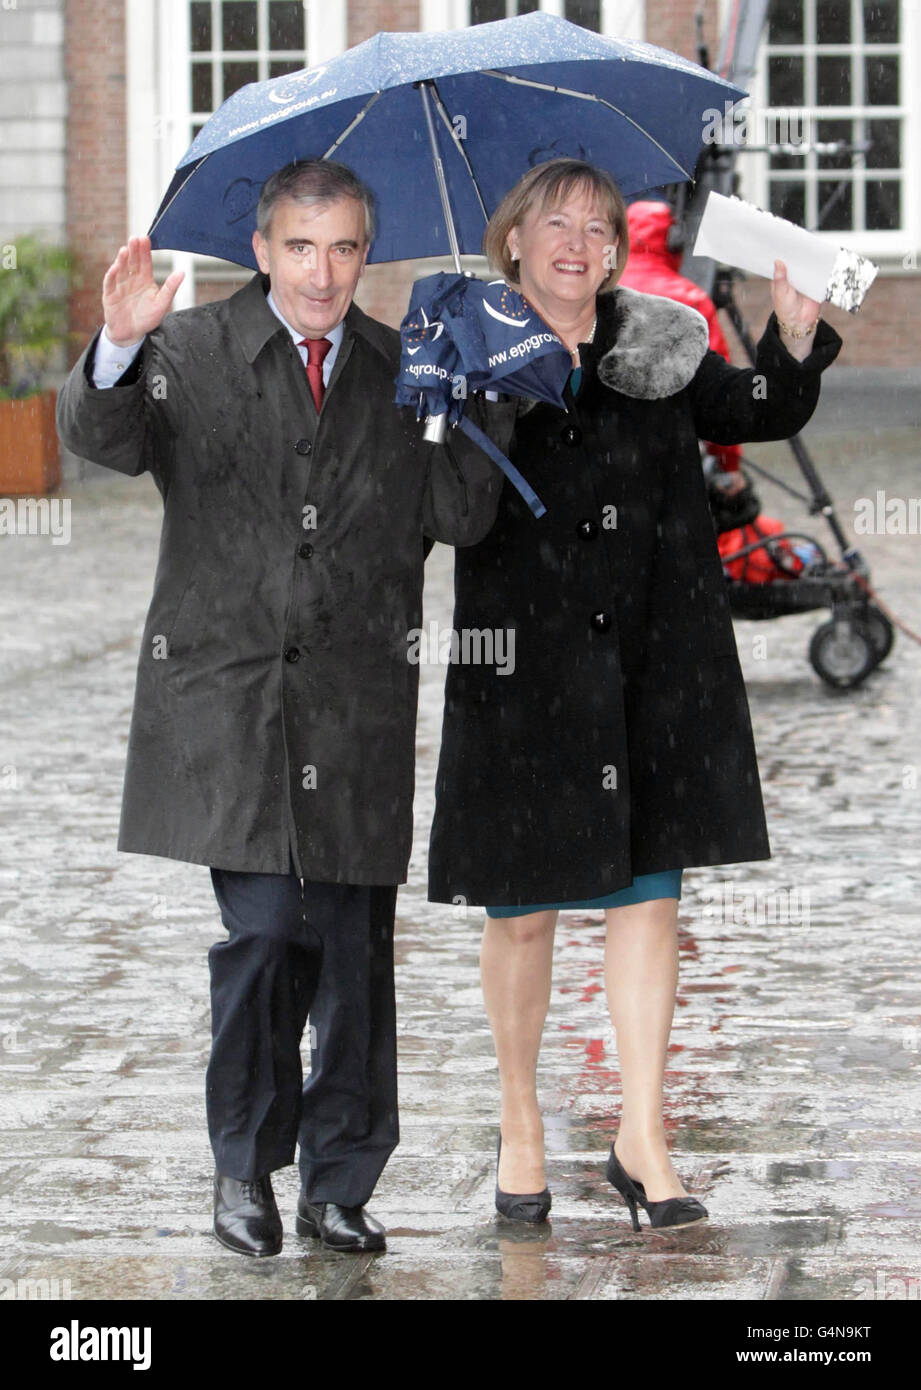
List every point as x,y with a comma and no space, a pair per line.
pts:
297,949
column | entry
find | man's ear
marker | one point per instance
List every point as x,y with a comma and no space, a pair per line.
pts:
260,250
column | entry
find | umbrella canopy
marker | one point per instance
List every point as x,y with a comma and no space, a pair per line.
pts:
495,98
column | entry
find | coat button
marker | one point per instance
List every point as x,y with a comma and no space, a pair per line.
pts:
305,551
601,621
303,446
587,529
292,654
572,436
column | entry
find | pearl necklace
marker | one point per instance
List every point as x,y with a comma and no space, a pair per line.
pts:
589,339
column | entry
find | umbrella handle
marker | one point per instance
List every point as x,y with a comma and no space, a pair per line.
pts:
436,429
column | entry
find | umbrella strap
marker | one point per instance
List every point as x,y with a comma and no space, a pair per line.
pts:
508,468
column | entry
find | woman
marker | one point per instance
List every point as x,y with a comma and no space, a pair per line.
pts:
619,749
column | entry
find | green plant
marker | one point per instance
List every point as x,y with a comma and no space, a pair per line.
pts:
34,281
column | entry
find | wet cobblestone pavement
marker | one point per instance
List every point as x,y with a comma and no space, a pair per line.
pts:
792,1088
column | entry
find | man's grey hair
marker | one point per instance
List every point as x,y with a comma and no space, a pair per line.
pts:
313,181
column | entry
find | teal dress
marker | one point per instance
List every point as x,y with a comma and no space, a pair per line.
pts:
644,887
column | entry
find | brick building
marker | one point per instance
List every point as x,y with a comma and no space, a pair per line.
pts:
100,98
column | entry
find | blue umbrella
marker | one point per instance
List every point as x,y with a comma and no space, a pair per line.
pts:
462,335
418,114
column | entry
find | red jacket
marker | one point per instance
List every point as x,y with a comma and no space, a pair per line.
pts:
655,269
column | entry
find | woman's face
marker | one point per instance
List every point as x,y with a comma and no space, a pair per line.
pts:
565,252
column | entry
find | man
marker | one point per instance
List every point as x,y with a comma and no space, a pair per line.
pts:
273,729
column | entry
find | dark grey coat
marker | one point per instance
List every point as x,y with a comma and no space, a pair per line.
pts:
275,705
621,742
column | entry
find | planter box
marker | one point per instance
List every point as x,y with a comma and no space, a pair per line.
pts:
30,455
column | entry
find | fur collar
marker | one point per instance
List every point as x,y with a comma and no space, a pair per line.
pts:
656,344
649,347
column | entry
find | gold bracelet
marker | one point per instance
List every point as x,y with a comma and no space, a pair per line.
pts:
792,331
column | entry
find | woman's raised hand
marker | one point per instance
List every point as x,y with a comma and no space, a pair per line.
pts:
790,306
132,302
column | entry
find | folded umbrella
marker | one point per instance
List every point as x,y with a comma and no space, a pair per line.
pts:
461,335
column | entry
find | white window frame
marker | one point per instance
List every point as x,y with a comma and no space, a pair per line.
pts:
159,116
892,250
620,19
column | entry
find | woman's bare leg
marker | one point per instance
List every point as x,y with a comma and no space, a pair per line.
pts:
516,964
641,976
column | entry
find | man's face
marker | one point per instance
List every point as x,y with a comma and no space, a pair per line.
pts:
315,255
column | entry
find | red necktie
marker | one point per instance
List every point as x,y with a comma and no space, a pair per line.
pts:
317,348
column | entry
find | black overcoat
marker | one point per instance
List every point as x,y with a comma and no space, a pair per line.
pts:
275,706
619,740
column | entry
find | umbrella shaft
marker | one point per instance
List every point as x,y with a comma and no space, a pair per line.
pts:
440,177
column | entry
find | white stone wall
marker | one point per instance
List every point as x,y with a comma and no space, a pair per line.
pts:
33,119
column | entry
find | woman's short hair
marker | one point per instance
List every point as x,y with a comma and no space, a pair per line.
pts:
313,181
549,185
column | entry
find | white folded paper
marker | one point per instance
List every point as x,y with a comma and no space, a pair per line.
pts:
739,234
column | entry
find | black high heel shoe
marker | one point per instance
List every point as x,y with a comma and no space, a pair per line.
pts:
516,1206
671,1211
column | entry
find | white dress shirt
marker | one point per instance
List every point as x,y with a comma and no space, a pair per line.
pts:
111,361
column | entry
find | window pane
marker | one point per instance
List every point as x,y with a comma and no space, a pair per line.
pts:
528,6
236,75
881,21
285,65
785,21
239,25
484,11
786,161
200,27
286,24
789,200
881,76
884,205
836,206
833,21
885,150
826,132
202,93
584,12
785,82
833,81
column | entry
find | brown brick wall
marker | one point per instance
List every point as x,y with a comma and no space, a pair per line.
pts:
671,25
885,331
97,198
383,291
368,17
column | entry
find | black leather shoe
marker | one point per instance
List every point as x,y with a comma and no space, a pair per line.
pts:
339,1228
246,1218
531,1207
671,1211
